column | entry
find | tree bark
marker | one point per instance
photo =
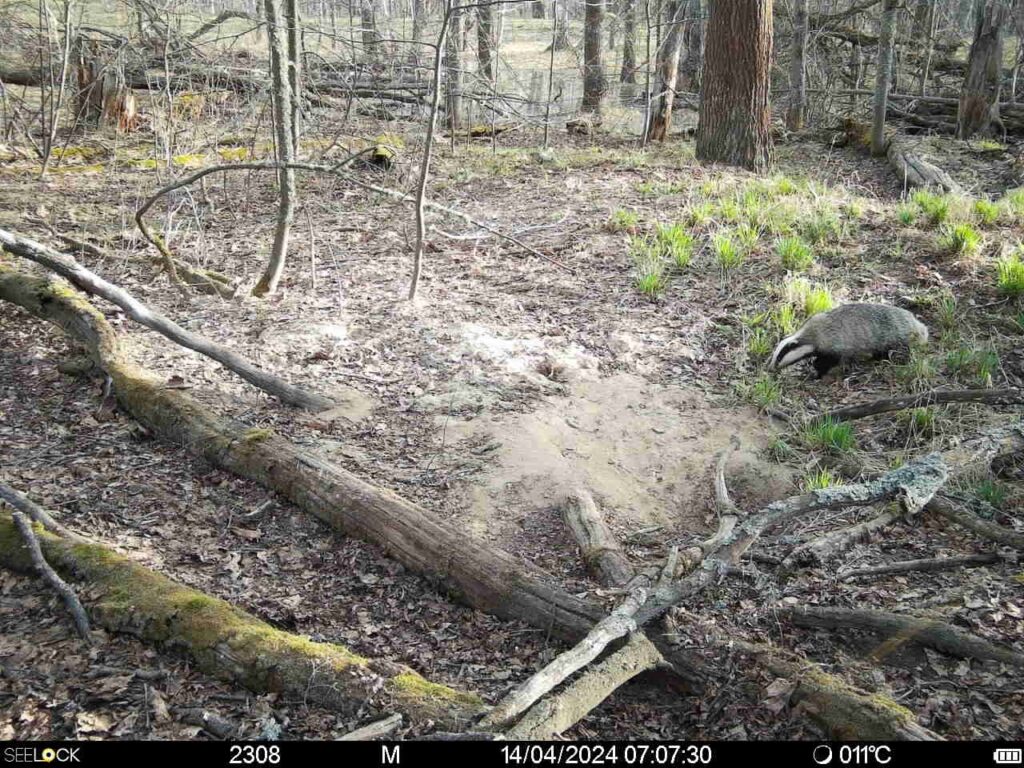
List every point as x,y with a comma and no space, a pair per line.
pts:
283,98
453,69
485,40
224,641
979,97
667,64
594,83
628,72
735,119
537,9
797,113
294,48
883,76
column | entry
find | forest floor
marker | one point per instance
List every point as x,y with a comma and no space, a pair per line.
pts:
508,382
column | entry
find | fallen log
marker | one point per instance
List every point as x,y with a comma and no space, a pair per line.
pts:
845,712
602,554
944,507
914,170
926,632
231,644
68,268
479,574
834,543
934,397
929,564
552,716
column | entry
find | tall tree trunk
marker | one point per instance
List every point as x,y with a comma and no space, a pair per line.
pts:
883,76
368,25
282,97
797,113
291,20
628,73
485,40
453,70
561,12
419,20
692,58
537,7
594,82
667,63
979,97
734,123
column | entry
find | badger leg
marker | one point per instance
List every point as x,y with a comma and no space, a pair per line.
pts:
825,363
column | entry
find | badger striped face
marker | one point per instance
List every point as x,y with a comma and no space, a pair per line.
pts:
790,350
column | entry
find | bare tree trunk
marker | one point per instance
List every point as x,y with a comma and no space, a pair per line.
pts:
628,73
734,123
883,76
453,70
291,20
485,40
594,82
561,10
368,25
692,58
924,29
282,97
538,9
667,72
979,98
419,19
798,69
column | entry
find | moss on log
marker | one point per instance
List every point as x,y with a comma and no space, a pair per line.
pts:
229,643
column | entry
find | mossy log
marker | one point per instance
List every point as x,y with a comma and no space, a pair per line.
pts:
229,643
845,712
481,575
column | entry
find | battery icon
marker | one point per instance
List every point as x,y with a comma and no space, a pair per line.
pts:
1008,756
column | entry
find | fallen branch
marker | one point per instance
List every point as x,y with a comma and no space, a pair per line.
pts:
930,564
834,543
67,267
601,551
35,553
944,506
25,505
935,397
926,632
375,730
913,484
617,624
233,645
553,716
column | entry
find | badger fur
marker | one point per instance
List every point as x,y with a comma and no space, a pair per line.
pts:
847,332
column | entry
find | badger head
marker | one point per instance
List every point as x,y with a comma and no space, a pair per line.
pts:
791,349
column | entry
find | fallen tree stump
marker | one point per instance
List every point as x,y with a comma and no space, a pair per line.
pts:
602,554
914,170
224,641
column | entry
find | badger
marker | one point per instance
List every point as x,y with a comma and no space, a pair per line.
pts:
847,332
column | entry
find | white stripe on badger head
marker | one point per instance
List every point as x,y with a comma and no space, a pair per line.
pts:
796,355
789,341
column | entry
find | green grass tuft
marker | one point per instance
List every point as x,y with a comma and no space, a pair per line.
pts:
648,266
1010,274
819,480
727,252
960,239
830,435
676,244
986,211
796,255
906,214
934,207
623,221
765,392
